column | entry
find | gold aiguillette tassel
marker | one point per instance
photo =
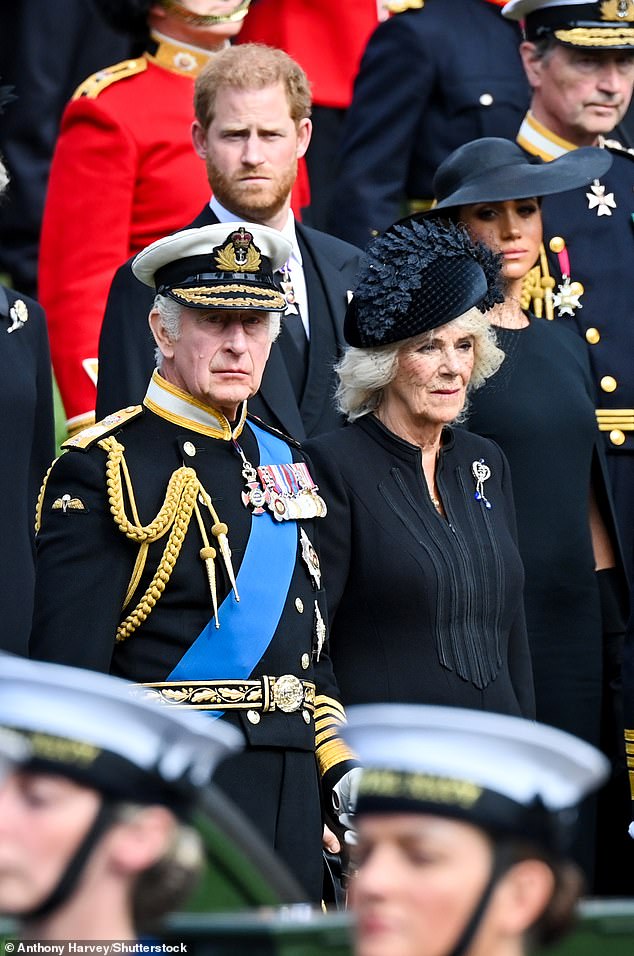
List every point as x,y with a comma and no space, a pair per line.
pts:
219,531
208,555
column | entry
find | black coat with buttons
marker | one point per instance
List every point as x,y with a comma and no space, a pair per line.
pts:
84,565
600,250
430,80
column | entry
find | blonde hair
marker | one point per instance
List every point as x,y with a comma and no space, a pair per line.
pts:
251,66
365,373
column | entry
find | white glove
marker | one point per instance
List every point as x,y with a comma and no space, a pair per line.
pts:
344,796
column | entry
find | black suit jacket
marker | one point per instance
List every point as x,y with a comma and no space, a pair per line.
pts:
126,346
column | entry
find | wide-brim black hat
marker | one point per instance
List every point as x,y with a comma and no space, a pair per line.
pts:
221,266
416,277
493,169
599,25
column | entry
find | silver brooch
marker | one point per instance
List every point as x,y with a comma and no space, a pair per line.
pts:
481,473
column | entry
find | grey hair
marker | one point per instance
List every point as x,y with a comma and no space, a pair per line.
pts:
171,313
166,885
365,373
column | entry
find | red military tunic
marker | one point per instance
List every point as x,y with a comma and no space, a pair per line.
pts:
327,38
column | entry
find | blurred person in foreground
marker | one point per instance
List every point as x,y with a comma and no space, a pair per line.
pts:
95,839
463,824
421,567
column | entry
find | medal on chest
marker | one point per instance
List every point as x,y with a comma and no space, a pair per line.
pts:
288,490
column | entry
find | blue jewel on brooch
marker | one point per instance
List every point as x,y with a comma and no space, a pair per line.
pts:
481,473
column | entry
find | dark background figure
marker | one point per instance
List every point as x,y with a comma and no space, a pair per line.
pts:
327,38
26,417
422,572
298,386
46,50
581,70
430,79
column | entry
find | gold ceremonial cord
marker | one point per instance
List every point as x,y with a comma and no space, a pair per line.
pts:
537,288
174,516
40,498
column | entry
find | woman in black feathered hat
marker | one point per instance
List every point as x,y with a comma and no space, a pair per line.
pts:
540,409
420,562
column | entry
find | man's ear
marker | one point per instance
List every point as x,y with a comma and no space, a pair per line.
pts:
137,843
533,63
199,139
162,339
304,133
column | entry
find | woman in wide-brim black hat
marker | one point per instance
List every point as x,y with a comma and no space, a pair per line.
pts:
419,558
540,409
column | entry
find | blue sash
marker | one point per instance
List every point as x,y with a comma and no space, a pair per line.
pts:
247,628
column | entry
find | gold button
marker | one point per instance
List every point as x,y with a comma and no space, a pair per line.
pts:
608,384
617,437
299,604
486,99
189,449
305,662
130,408
556,244
306,716
576,288
592,336
253,717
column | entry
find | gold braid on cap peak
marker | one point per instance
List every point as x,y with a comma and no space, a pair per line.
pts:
180,502
537,288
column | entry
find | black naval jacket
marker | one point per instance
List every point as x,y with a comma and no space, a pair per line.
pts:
126,346
596,226
430,80
423,609
85,563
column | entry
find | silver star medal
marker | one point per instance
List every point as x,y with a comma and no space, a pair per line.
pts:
566,299
19,315
310,557
599,201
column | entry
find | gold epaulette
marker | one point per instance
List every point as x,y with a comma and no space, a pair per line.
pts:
102,79
88,436
400,6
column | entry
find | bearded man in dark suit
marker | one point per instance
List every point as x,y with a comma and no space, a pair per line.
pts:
252,125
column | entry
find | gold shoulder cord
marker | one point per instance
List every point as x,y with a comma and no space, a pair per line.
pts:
40,498
180,502
537,288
